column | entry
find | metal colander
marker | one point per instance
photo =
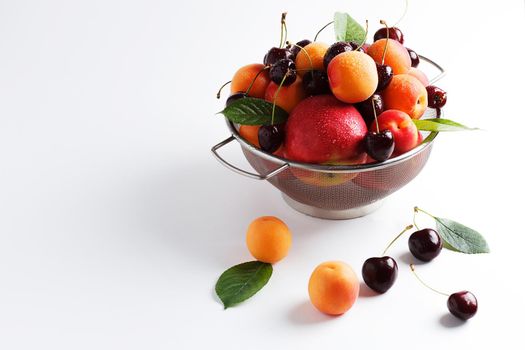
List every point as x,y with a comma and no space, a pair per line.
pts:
334,191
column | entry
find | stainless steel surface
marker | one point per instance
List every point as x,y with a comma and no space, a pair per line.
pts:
334,191
232,167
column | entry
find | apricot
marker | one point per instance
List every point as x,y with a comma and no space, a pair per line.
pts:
250,133
316,51
352,76
245,75
406,93
333,287
268,239
396,55
422,77
288,97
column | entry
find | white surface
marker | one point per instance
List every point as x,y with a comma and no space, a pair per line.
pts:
115,221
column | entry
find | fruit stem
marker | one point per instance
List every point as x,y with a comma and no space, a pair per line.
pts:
395,239
284,30
307,55
386,43
364,39
255,78
276,94
416,209
414,218
220,89
375,114
412,267
403,15
320,30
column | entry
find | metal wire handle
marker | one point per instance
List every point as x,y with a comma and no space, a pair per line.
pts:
239,170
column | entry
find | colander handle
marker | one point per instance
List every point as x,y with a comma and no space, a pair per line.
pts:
241,171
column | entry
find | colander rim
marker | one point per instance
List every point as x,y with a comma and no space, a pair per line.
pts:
427,142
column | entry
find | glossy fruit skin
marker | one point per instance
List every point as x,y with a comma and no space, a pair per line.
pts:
384,76
393,33
367,109
396,55
414,57
234,97
425,244
406,93
244,76
297,47
270,137
352,76
402,127
380,273
275,54
379,145
336,49
463,305
322,129
281,69
315,82
437,97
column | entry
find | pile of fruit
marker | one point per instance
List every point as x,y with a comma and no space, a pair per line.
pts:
346,103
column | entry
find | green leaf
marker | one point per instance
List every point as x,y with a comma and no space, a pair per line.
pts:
440,124
461,238
347,29
242,281
254,111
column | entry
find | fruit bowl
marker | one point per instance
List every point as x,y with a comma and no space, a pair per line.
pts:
334,191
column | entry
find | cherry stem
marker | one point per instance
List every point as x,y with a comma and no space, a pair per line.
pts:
276,94
375,114
412,267
386,43
403,15
416,209
307,55
255,78
320,30
364,39
395,239
414,218
222,87
284,30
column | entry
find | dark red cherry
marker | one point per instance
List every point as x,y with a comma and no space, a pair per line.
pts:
393,33
297,47
283,69
336,49
384,76
414,57
270,137
379,273
275,54
463,305
437,97
425,244
234,97
315,82
366,108
379,145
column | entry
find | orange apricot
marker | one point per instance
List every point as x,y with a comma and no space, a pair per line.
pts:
243,78
250,133
315,51
268,239
406,93
333,287
396,55
288,96
352,76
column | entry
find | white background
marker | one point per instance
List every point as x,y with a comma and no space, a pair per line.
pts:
115,220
